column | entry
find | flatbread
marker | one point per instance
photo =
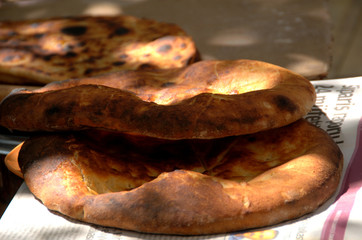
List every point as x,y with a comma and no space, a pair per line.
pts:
46,50
208,99
187,186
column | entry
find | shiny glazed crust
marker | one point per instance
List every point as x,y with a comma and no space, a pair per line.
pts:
208,99
225,185
46,50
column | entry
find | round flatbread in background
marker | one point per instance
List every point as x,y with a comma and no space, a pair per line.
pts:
46,50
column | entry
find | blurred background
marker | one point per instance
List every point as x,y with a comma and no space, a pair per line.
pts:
346,19
316,38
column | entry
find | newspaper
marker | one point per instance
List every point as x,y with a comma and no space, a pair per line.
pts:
338,110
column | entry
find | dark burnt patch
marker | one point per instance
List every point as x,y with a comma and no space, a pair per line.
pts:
85,50
118,63
120,31
146,66
250,118
88,71
167,84
123,56
81,44
38,35
164,48
177,57
9,58
251,139
70,54
183,45
285,104
91,59
53,111
71,69
74,30
12,34
48,57
66,108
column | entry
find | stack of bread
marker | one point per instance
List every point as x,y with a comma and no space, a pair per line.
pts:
199,148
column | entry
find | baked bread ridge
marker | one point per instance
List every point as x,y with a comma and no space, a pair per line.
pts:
188,202
40,51
208,99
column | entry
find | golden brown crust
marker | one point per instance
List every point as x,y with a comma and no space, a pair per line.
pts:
46,50
296,168
11,161
208,99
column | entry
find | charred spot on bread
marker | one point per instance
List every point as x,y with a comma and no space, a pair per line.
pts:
70,54
54,110
88,71
48,57
168,84
39,35
284,103
164,48
9,58
177,57
118,63
121,31
74,30
146,66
